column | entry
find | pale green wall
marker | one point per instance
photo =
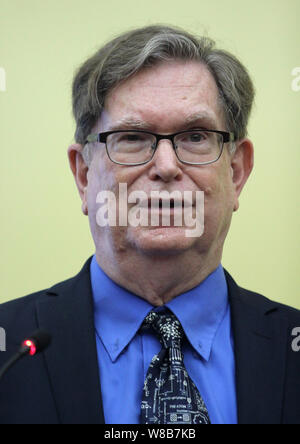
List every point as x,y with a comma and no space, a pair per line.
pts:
44,238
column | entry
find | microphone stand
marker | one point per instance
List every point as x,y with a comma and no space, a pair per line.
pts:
24,350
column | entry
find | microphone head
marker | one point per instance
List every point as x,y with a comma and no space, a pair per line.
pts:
37,341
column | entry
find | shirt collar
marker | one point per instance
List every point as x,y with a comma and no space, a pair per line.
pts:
201,311
120,313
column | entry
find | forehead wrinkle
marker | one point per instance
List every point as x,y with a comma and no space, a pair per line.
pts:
148,118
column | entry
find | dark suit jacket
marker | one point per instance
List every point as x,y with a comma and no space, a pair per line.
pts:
61,385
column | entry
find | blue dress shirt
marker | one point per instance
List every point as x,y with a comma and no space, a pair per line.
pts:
124,353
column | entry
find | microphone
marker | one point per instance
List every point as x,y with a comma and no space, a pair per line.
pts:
35,343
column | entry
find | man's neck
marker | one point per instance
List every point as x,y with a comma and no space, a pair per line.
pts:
158,279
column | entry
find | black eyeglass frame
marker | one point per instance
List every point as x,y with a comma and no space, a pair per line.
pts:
102,138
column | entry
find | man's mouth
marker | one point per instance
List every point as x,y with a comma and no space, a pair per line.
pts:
160,204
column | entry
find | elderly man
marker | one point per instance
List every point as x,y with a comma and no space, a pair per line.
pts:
153,330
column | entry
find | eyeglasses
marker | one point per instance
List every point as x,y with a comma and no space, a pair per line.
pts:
136,147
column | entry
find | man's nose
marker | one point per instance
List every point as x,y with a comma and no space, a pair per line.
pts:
165,165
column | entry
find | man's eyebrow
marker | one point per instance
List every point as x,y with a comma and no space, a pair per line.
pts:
202,119
129,123
205,119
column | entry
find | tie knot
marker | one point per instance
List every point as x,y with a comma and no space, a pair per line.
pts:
167,328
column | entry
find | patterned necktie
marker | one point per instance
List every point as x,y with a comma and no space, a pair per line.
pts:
169,395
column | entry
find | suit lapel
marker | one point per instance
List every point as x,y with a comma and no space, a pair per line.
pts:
67,314
260,348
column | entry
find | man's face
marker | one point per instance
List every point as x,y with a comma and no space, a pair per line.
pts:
168,98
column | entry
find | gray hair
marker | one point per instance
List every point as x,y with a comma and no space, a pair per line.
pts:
132,51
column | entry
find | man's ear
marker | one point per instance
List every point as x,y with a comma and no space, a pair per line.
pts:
242,162
80,172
